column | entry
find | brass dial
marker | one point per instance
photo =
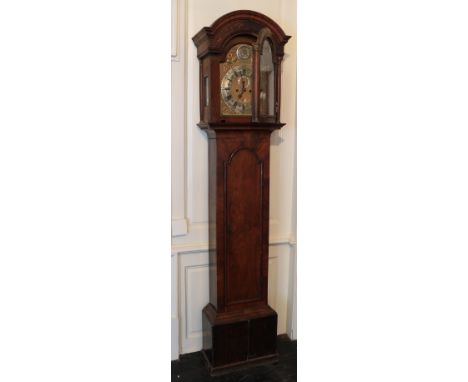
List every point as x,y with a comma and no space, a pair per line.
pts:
236,89
236,81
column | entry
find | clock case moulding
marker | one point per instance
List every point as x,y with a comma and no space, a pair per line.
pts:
239,326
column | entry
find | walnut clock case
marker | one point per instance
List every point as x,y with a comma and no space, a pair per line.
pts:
240,85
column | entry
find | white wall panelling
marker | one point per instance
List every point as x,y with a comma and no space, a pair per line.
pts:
190,171
178,142
175,29
178,119
193,271
291,325
174,307
179,227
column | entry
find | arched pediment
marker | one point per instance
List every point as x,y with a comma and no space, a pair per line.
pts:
213,39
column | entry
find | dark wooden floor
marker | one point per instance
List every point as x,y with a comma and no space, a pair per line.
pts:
191,368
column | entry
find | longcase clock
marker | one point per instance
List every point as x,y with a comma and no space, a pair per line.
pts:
240,85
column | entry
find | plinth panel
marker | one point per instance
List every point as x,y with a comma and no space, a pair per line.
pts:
262,336
231,343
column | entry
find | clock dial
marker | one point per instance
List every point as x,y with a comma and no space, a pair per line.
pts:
236,81
244,52
236,90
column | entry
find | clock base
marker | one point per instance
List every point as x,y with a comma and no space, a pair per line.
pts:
238,339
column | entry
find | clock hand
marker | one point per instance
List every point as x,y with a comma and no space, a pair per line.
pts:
242,89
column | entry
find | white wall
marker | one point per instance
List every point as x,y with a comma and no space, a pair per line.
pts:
190,175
